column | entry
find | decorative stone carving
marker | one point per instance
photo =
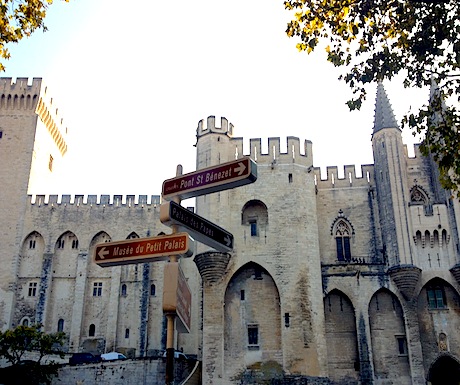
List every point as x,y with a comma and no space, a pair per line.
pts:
405,278
212,265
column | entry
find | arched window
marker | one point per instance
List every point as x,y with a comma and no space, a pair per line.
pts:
25,321
92,330
254,214
342,235
123,290
152,289
60,327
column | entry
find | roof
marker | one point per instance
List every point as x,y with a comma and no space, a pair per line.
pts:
384,116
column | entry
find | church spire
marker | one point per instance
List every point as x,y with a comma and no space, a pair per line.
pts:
384,116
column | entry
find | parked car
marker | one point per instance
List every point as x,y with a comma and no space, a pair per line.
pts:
178,355
84,358
112,356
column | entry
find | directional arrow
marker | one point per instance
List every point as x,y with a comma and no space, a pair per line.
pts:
199,228
103,252
240,169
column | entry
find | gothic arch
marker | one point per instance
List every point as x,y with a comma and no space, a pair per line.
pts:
445,370
342,230
31,256
133,235
388,338
438,311
341,337
419,195
252,314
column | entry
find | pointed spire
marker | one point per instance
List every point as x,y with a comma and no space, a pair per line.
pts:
384,116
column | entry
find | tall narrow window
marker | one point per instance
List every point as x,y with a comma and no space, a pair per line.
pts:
126,333
92,330
253,225
60,327
436,297
97,289
253,335
32,244
123,290
402,345
75,244
152,289
32,289
1,134
342,239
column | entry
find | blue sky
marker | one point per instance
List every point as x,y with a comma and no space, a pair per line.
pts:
132,80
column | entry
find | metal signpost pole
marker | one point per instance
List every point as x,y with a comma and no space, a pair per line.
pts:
171,317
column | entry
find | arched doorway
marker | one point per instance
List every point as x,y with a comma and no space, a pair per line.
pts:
445,371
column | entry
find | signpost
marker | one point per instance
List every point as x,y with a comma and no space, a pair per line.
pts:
212,179
177,298
200,228
139,250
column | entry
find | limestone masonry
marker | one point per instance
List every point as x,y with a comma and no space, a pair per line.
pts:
350,280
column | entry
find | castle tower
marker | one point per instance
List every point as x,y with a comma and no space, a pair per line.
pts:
260,306
390,180
31,140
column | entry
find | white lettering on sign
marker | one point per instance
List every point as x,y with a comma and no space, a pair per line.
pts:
121,251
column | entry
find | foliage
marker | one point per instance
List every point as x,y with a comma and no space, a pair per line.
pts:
19,19
14,343
373,40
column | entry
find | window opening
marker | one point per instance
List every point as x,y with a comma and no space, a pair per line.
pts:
253,225
33,289
32,244
436,298
60,327
290,178
127,333
342,238
123,290
92,330
253,335
75,244
152,289
25,322
402,345
97,289
242,295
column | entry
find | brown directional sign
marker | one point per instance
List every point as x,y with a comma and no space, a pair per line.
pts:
177,297
212,179
139,250
199,228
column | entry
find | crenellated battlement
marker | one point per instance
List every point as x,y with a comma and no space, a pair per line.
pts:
225,127
21,95
349,180
95,200
296,152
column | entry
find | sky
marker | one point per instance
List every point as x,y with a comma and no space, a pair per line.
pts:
132,79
